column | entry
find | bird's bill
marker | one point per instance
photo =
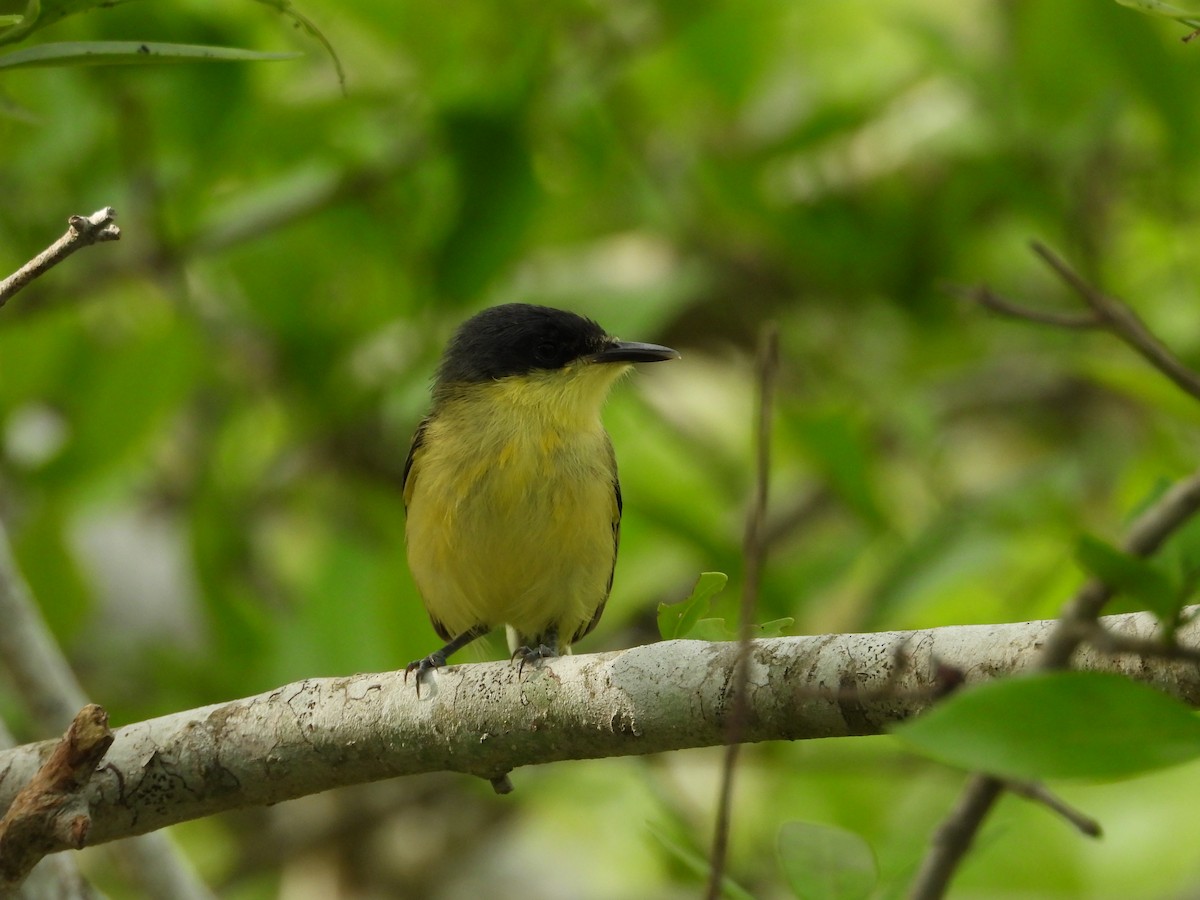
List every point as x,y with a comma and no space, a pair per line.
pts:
634,352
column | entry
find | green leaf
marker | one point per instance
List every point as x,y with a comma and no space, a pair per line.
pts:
1189,13
821,862
712,630
1130,575
775,628
1181,554
11,20
107,53
676,620
1057,725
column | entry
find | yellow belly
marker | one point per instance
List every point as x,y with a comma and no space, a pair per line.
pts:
520,532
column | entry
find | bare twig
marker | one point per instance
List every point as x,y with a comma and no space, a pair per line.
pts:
1107,642
1106,313
1122,321
989,299
49,812
1039,793
1078,621
82,231
754,553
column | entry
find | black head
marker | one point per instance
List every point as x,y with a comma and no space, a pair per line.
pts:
516,339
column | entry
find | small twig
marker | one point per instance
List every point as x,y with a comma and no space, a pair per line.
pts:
1107,642
1121,320
1039,793
953,838
82,231
501,784
1107,313
957,832
49,814
754,549
989,299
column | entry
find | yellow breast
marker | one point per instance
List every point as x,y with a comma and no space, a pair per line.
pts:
513,513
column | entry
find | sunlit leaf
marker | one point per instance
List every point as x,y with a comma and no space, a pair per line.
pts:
676,620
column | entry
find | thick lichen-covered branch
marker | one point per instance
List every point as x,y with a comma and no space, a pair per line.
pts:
487,719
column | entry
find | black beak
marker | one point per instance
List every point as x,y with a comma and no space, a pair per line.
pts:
633,352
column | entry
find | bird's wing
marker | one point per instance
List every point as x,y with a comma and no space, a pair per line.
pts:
411,467
616,509
410,474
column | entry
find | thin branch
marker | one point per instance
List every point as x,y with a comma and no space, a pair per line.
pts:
1122,321
1106,642
1039,793
754,551
954,837
990,300
82,231
49,812
1107,313
956,834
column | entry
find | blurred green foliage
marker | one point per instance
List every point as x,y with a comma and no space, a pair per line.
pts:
203,427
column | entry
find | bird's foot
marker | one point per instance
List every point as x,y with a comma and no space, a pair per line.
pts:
533,655
421,666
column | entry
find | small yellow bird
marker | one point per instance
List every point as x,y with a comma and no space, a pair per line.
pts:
510,488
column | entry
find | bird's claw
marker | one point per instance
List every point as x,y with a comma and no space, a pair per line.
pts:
421,666
532,655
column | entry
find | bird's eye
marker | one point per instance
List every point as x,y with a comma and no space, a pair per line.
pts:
545,352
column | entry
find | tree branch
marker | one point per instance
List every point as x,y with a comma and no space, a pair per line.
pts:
1106,313
1121,320
49,812
1039,793
990,300
82,231
486,718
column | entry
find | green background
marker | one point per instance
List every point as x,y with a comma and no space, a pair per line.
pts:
203,426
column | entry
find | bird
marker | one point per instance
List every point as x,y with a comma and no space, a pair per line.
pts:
511,495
